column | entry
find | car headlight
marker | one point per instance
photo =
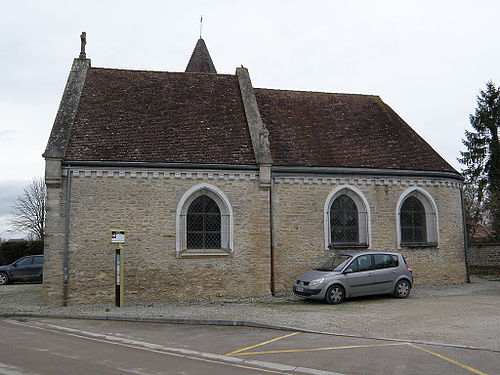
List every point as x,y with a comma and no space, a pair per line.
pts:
315,282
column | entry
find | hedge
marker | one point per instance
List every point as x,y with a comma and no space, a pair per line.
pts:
11,251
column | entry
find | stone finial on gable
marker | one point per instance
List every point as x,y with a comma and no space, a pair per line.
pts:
83,42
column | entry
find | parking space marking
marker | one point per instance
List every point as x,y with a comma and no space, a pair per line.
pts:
244,351
262,343
320,349
448,359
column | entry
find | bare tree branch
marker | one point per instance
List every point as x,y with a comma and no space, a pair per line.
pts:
29,210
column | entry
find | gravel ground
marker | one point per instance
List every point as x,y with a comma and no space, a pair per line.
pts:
466,314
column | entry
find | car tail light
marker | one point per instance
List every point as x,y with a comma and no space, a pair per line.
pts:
408,268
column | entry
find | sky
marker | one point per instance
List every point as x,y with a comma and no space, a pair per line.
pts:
427,59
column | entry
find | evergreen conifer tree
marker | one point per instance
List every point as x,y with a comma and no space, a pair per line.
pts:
482,159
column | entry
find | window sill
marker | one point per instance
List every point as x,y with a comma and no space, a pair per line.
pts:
419,245
204,253
349,246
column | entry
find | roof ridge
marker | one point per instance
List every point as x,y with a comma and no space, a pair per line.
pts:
318,92
157,71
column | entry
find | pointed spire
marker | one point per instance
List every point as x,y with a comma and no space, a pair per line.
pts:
200,61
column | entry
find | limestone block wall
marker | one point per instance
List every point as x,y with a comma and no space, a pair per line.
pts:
54,244
484,258
299,234
144,204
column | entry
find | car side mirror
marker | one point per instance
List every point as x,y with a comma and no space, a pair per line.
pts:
349,270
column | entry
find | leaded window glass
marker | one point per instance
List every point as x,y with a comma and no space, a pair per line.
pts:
203,224
413,225
344,221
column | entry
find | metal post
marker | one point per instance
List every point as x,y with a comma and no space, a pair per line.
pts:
119,276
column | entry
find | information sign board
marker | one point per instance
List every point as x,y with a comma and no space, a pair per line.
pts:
117,236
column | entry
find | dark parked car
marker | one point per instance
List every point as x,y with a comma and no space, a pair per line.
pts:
29,268
353,274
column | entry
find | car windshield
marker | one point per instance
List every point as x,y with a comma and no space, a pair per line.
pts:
335,263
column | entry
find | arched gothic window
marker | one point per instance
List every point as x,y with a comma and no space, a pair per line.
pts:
204,224
346,218
413,222
417,222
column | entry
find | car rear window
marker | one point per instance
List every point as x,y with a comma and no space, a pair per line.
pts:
385,261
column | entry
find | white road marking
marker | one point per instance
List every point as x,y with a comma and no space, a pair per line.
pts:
13,370
274,368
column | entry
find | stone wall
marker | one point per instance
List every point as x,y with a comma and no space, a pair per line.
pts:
54,243
299,233
144,205
484,258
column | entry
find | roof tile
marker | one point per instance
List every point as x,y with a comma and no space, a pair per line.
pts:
126,115
342,130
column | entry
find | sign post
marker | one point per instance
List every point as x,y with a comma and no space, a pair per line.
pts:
118,237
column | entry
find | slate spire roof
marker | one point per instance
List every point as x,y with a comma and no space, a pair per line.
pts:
200,61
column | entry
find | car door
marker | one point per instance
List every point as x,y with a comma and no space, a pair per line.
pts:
385,268
38,267
358,277
22,268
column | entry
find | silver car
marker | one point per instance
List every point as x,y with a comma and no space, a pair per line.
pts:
353,274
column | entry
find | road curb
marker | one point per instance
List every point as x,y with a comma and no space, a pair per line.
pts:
238,323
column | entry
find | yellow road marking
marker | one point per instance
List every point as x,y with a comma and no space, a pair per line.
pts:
239,352
320,349
449,360
262,343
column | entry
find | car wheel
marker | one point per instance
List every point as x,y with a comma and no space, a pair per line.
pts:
335,294
4,278
402,289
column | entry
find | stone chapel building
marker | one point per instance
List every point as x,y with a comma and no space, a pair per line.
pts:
228,191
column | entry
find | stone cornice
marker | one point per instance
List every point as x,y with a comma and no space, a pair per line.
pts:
235,175
369,181
227,175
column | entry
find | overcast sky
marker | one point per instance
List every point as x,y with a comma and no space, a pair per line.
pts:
427,59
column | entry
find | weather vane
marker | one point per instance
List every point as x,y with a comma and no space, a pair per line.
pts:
201,24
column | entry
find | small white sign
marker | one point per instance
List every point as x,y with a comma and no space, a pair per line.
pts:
117,236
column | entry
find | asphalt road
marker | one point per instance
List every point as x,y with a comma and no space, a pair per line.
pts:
56,346
25,350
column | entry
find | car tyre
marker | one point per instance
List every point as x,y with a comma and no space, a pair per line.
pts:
335,294
4,278
402,289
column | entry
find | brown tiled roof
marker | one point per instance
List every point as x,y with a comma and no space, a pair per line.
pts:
341,130
200,60
144,116
126,115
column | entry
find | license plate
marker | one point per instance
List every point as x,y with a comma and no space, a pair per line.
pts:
299,289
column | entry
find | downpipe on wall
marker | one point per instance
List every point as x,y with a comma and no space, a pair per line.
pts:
464,227
271,223
67,204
